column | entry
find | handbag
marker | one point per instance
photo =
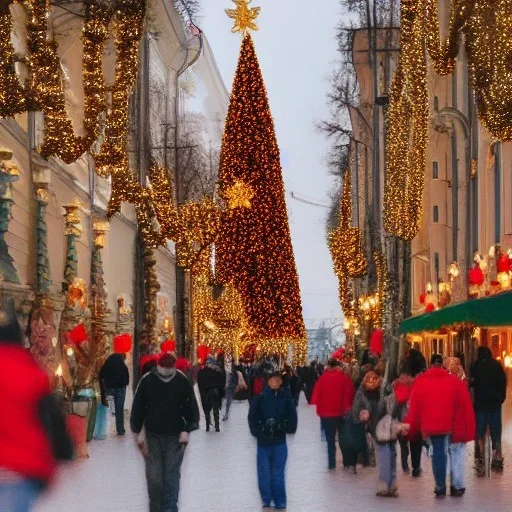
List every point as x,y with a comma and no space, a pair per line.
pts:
387,429
352,434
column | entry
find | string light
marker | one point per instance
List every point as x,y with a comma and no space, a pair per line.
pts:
254,250
12,94
407,128
345,241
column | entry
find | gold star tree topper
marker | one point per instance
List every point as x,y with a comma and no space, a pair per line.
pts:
239,195
244,16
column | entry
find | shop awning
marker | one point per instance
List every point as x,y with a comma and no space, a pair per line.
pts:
492,311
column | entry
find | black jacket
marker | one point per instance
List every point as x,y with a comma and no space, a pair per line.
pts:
114,372
272,415
209,378
489,383
166,408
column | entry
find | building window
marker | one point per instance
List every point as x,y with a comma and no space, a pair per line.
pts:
436,103
435,214
435,170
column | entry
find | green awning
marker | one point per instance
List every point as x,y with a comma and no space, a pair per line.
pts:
492,311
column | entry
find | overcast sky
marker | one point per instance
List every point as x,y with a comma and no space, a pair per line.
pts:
296,48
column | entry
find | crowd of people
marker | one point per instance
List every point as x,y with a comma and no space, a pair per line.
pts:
433,409
437,408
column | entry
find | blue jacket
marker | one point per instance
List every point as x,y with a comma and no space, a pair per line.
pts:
273,415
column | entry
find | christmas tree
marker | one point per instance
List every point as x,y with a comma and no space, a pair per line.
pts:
254,250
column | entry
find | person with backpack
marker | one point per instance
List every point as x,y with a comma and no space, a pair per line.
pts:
33,435
272,416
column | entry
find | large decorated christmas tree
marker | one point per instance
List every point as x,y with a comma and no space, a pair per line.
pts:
254,250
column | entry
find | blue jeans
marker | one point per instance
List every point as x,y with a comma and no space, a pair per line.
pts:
119,395
457,453
163,472
439,459
19,496
491,419
271,466
386,460
330,427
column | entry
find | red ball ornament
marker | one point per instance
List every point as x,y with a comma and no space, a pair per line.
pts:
202,353
476,276
430,308
182,365
503,263
338,354
78,334
377,341
168,346
122,343
422,298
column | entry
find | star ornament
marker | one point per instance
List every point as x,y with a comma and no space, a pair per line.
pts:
239,195
243,16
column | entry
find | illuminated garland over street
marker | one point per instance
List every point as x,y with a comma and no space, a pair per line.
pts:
487,28
253,250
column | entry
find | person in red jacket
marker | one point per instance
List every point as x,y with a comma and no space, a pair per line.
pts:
333,396
27,460
438,402
464,429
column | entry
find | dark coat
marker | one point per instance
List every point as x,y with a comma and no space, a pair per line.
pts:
272,415
114,372
489,382
164,407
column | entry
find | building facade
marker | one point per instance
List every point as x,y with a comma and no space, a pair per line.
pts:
54,230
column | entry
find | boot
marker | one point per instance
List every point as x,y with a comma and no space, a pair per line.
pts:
216,415
480,467
497,465
208,421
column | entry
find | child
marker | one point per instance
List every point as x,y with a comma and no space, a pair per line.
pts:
392,410
272,415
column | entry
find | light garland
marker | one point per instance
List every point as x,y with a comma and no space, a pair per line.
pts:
382,287
254,250
408,129
12,95
345,241
487,27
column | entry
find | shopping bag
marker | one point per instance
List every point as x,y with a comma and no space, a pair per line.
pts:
100,428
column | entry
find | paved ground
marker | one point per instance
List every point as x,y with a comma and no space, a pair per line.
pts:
219,476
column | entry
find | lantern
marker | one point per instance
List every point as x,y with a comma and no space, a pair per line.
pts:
168,346
122,343
377,342
78,334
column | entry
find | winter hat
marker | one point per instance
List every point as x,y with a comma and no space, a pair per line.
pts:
10,331
273,373
437,359
167,360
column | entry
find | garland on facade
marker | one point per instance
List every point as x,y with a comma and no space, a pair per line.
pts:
486,27
408,129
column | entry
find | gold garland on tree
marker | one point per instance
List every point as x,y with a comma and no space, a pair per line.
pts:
382,287
345,241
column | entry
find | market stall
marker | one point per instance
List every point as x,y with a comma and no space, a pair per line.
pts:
460,328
